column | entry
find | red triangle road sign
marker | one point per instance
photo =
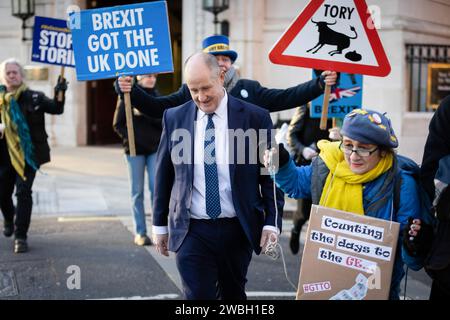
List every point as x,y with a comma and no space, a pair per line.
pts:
336,35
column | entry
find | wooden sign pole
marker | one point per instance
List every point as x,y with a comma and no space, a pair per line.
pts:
130,127
61,93
326,99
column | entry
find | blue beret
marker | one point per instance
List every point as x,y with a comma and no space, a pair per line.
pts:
371,127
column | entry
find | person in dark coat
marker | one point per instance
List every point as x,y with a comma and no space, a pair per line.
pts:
147,133
248,90
23,146
436,160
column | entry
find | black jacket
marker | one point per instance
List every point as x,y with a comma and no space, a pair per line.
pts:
34,105
248,90
437,145
147,130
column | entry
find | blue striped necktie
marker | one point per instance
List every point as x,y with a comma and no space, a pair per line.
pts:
212,195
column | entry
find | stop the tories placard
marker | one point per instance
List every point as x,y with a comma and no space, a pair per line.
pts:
122,40
52,42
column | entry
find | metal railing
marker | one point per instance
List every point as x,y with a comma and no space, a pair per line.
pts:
418,57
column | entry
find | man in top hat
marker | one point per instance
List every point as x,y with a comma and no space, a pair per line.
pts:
245,89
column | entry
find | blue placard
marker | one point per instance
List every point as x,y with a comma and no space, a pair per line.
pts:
345,96
52,42
122,40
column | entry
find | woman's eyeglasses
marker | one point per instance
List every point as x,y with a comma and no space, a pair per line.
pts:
348,150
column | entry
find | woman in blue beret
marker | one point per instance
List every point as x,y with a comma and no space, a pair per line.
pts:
358,174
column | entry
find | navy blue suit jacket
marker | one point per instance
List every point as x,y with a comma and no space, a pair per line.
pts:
252,192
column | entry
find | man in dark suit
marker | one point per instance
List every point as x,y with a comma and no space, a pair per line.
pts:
212,205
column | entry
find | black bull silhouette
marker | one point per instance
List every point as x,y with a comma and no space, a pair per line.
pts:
331,37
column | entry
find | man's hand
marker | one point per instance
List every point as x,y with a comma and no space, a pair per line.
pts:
125,84
267,160
268,236
2,130
330,77
161,242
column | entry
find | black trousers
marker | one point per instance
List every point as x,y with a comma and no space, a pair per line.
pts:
439,290
213,260
438,263
302,214
22,214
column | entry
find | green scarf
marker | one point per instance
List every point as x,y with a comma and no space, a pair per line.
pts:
17,133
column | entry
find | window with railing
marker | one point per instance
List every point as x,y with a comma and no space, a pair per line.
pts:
429,75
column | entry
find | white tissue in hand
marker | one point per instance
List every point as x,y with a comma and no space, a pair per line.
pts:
334,134
309,153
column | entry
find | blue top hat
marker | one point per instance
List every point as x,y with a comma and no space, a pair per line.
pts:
219,45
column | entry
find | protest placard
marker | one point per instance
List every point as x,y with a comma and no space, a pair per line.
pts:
342,26
347,256
52,42
345,96
122,40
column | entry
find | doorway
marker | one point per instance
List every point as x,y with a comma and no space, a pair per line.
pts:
101,97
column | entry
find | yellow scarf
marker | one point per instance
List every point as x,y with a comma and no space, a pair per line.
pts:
15,150
343,188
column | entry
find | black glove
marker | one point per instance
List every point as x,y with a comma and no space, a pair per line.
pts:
419,245
279,158
283,155
61,85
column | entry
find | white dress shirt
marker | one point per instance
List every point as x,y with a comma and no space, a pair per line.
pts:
198,202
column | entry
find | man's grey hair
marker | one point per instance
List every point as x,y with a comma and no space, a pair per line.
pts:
3,68
209,60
